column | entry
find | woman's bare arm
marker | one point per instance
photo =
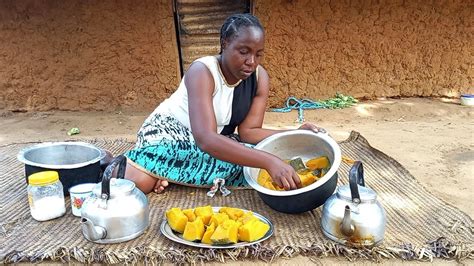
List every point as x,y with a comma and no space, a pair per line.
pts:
250,130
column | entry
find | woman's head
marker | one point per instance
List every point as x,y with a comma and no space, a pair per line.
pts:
242,43
232,25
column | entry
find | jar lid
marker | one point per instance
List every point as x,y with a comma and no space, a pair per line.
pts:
43,178
366,194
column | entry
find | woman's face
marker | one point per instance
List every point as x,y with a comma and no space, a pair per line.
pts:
243,53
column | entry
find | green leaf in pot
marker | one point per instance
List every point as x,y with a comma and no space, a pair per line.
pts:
297,164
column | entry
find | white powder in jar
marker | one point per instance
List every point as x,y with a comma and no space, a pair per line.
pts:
48,208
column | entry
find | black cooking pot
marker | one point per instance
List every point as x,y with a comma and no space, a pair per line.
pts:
306,145
76,162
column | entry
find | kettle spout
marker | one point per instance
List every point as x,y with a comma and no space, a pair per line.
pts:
92,232
347,228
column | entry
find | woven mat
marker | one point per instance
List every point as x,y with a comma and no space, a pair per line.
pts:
420,226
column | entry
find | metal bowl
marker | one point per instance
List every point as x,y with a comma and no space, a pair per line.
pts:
76,162
305,144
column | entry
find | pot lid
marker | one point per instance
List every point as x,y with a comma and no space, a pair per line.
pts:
366,194
118,187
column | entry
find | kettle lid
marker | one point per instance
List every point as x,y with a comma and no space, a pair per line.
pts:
356,191
365,194
117,187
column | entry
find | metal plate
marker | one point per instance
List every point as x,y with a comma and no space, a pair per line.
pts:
176,237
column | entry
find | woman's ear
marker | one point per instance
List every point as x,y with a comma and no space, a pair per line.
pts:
224,45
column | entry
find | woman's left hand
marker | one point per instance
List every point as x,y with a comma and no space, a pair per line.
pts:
312,127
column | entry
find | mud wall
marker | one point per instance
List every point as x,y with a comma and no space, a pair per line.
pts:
109,55
86,55
368,48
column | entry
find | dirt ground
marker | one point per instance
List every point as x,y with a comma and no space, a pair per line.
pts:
432,137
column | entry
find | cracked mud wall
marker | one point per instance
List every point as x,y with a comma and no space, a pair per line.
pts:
86,55
368,48
109,55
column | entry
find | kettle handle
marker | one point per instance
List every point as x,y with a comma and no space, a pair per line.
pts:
120,160
356,177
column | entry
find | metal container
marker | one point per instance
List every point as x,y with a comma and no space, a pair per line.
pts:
76,162
353,216
306,145
117,211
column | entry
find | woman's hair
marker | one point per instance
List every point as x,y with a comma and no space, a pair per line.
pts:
234,23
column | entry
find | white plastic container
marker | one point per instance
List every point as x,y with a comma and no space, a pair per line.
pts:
45,196
467,99
79,194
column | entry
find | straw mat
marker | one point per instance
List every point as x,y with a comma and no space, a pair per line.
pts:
419,225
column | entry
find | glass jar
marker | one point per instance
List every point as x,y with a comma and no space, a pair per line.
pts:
45,196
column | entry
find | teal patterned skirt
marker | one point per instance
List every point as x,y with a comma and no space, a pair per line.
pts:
166,149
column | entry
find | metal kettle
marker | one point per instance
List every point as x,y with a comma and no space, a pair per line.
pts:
353,216
117,211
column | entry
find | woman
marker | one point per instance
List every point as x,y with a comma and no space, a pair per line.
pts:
189,139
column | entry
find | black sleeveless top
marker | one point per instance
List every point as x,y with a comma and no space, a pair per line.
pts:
241,102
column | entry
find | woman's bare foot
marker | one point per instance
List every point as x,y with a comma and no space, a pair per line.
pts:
160,186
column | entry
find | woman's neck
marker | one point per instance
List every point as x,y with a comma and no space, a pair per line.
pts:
227,74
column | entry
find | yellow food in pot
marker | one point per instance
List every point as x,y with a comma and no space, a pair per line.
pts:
315,169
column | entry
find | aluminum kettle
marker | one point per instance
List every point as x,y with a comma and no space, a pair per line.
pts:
353,216
117,211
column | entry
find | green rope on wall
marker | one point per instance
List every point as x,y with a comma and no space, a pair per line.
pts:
293,103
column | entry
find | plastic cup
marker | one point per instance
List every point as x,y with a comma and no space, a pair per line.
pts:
79,194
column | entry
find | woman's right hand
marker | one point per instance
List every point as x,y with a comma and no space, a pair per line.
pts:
284,175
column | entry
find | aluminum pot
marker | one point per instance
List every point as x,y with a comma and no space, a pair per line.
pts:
305,144
76,162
